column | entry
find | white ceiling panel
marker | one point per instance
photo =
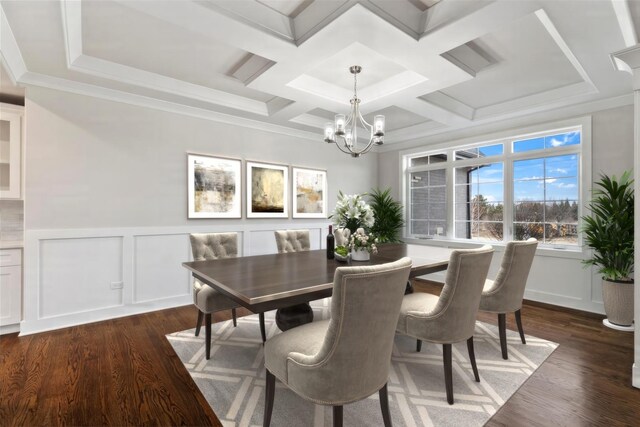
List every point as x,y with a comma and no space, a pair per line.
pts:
375,67
397,118
528,62
125,36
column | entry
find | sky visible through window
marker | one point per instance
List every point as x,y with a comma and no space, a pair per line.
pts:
543,179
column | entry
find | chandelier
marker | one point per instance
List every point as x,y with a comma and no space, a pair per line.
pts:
344,132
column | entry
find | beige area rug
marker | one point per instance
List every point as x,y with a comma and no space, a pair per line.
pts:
233,380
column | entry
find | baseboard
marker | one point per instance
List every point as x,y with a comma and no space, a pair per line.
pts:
635,376
9,329
562,308
28,327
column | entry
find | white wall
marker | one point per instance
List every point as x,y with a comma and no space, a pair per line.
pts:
106,203
557,277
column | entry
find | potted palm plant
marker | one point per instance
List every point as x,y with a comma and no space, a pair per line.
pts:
609,232
388,216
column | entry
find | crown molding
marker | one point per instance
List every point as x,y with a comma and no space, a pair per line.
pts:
78,88
501,123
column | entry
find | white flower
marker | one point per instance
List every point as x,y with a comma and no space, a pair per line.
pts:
352,209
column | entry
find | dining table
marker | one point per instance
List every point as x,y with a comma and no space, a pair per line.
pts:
281,281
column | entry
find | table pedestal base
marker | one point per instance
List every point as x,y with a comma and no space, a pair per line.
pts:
296,315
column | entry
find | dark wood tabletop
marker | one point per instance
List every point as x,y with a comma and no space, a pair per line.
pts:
267,282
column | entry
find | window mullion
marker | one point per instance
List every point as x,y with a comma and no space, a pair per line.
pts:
450,191
509,200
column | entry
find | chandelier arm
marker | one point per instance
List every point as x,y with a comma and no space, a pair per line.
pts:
348,120
364,122
347,151
368,147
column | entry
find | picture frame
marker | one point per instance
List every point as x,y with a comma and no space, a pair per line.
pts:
309,193
267,190
214,188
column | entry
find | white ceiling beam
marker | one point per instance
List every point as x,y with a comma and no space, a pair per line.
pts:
77,61
406,17
255,14
9,51
72,29
193,16
463,26
625,21
562,44
130,75
433,112
450,104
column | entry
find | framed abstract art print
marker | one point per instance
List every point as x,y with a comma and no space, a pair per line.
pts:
267,190
214,187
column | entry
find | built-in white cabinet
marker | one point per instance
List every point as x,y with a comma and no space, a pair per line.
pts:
10,151
10,287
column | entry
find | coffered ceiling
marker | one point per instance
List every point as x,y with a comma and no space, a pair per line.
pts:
431,66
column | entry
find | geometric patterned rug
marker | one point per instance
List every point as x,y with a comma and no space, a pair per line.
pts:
233,380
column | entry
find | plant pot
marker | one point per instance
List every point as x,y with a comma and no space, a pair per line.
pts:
360,255
618,302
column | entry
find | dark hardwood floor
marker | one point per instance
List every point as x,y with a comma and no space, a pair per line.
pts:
124,372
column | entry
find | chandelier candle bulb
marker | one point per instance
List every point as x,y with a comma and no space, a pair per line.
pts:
378,125
348,138
340,120
328,132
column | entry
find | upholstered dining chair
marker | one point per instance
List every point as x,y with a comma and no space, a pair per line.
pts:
346,358
342,236
504,294
292,240
450,318
206,246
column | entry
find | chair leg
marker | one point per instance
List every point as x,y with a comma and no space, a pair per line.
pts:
519,323
448,374
207,333
472,358
384,405
418,345
268,398
337,416
200,318
235,318
502,328
263,331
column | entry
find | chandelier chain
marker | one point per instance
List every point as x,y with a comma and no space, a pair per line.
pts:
355,86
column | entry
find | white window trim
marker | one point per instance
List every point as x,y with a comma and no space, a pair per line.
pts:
505,136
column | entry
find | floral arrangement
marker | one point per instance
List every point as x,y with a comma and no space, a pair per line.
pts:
352,212
360,240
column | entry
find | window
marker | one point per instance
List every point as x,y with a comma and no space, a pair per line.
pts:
428,214
479,202
510,189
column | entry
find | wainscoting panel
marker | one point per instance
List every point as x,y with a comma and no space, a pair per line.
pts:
77,275
158,272
557,276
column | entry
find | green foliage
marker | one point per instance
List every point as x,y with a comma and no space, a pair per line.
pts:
388,216
342,250
609,229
